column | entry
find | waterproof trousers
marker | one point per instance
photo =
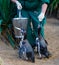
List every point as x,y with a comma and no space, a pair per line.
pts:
33,22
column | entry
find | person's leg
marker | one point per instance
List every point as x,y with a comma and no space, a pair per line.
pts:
35,23
30,37
42,32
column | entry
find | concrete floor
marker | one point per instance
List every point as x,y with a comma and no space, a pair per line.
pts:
10,56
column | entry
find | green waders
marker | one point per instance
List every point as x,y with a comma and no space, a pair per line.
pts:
33,23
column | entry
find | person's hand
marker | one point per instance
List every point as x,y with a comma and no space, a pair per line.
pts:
41,16
19,6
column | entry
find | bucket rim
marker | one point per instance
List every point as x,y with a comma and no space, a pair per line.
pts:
20,18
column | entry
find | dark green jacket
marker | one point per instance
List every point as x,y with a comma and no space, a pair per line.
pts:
33,4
